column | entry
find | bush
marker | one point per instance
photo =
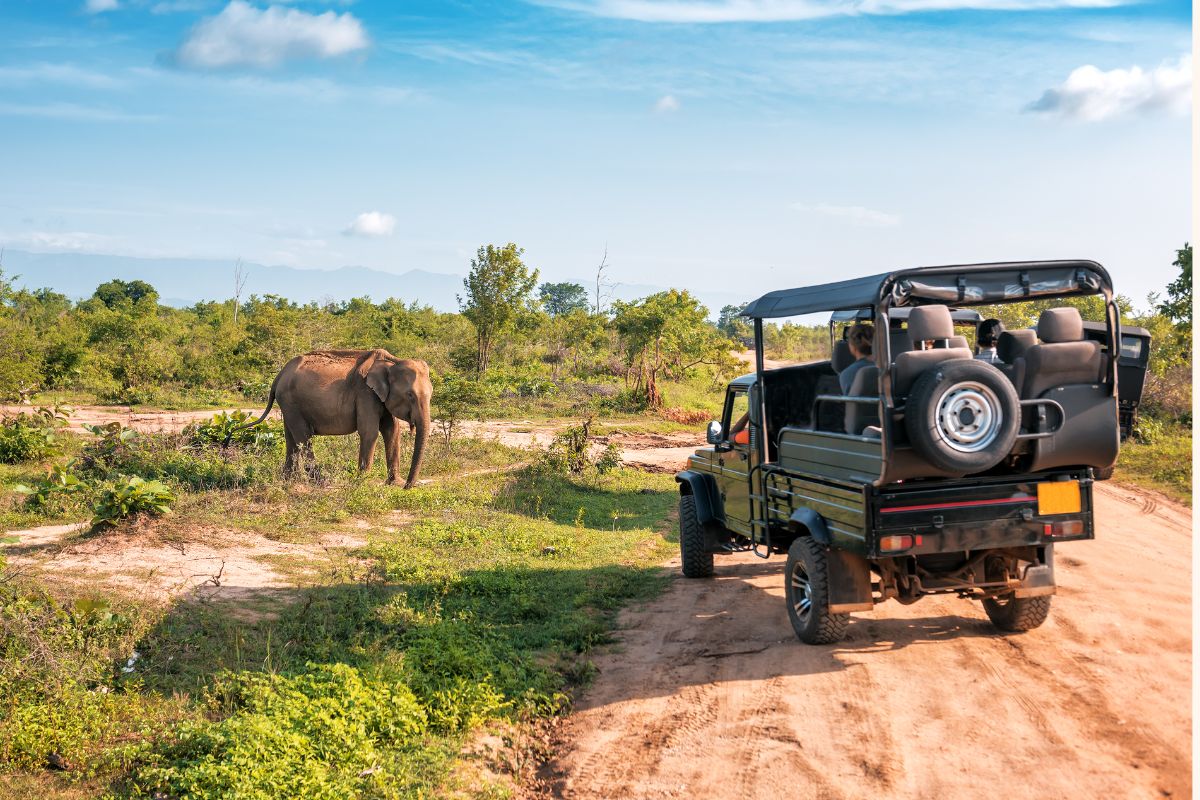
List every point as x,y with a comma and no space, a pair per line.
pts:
31,436
226,429
60,483
129,497
329,732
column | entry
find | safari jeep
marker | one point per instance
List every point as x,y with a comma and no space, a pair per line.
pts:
936,473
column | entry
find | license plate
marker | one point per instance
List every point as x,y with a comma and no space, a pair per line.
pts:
1059,497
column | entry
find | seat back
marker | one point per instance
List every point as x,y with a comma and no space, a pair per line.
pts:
1010,347
959,341
1063,358
899,343
924,323
841,357
861,415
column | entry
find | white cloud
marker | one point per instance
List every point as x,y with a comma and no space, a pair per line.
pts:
856,215
372,224
242,35
667,104
100,6
711,11
1092,94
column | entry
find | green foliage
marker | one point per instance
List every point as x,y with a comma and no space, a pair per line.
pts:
574,452
561,299
31,436
668,334
1160,456
130,496
225,429
1178,305
117,293
731,323
60,484
331,731
498,287
457,398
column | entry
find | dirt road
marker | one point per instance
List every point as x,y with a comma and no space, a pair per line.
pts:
711,695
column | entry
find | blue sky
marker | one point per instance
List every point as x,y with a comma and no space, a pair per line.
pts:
750,144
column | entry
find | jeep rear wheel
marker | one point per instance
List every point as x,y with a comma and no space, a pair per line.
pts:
807,592
1010,613
962,416
697,561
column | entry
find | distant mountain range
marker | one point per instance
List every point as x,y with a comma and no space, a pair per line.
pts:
185,281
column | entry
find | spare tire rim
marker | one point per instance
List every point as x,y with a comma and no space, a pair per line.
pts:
801,591
968,417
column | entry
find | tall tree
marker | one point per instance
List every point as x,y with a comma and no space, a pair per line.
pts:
667,334
1178,305
560,299
118,292
499,287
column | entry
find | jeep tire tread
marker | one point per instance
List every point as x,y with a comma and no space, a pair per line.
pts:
1017,613
697,562
807,564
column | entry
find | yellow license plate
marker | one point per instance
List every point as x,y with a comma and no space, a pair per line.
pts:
1060,497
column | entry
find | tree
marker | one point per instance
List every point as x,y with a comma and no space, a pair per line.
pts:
560,299
667,334
456,398
118,292
499,287
731,322
1178,305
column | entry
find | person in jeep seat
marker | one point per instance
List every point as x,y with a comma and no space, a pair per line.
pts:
986,339
859,339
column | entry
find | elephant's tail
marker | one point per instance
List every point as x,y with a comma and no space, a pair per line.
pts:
259,421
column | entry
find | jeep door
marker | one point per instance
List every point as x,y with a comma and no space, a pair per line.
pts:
734,457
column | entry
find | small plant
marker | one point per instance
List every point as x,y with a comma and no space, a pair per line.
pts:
226,429
60,481
456,398
112,440
572,452
31,436
131,496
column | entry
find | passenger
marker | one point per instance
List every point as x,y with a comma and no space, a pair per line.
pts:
859,338
740,432
986,339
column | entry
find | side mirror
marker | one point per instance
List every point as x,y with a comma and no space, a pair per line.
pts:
715,433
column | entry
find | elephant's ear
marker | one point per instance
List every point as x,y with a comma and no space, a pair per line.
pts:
374,372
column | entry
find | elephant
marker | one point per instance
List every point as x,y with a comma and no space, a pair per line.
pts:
339,392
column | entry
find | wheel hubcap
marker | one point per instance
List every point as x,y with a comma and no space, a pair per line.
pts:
801,592
968,417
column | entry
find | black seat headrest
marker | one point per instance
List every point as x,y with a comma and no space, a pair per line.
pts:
929,322
1012,344
1057,325
842,357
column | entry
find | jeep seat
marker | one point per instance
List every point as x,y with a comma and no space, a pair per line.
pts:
1010,347
860,416
924,322
841,357
1063,358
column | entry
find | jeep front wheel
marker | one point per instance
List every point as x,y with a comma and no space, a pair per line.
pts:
697,561
807,593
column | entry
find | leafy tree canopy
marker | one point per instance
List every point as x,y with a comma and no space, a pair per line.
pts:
560,299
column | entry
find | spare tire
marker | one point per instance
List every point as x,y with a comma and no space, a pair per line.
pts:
962,416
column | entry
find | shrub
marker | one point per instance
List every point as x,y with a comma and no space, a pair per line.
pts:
31,436
226,429
328,732
60,483
130,496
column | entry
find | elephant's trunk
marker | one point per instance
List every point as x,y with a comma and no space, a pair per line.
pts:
422,430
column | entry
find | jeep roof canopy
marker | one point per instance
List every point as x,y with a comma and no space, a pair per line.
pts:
961,285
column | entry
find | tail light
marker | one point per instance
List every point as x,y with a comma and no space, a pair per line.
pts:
894,543
1066,527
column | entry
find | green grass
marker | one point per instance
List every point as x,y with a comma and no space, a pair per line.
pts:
483,606
1164,462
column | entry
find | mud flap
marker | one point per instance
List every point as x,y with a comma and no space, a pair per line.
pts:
849,582
1038,581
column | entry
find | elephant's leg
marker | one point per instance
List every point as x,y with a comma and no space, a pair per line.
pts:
368,435
389,426
299,436
289,458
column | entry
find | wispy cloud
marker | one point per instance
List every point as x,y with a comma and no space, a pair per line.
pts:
245,36
100,6
1091,94
72,111
372,224
667,104
855,215
66,74
714,11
